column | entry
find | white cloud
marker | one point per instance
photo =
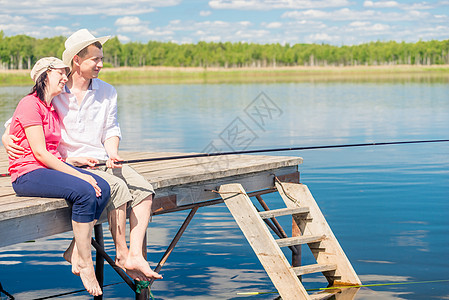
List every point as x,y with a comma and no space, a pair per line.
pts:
395,4
273,25
381,4
127,21
245,23
358,24
205,13
346,14
270,4
123,38
134,25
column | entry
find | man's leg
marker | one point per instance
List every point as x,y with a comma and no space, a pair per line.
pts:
117,227
138,220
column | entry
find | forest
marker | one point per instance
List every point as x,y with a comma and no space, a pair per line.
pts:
21,52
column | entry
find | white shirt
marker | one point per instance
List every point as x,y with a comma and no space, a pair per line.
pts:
85,127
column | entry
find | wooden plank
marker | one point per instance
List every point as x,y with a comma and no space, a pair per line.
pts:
295,195
202,191
195,173
316,268
207,163
283,212
30,207
34,226
300,240
262,242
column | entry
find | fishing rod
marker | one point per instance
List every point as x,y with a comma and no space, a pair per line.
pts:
351,286
272,150
199,155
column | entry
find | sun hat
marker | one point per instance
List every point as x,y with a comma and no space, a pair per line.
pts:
45,64
77,42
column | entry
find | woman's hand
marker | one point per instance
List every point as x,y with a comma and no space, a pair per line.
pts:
92,181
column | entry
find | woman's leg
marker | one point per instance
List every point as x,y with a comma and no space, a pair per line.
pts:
84,264
103,200
51,183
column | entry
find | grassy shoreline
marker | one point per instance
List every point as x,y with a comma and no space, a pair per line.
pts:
174,75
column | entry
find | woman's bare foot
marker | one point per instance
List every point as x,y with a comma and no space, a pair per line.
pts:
139,269
71,255
87,274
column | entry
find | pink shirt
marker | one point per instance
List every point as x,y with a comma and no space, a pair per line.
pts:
32,111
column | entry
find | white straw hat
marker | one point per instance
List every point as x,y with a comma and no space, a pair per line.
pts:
77,42
45,64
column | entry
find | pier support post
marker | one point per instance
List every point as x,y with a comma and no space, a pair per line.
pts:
99,260
145,293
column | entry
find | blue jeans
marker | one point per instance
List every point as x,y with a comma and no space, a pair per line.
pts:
86,206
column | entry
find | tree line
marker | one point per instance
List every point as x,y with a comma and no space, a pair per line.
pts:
21,52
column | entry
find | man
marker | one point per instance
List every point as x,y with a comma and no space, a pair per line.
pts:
90,134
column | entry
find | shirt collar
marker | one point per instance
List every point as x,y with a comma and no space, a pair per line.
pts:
92,86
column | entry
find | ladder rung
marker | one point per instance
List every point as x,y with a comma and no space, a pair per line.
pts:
283,212
314,269
300,240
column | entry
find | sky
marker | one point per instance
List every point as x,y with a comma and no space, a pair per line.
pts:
335,22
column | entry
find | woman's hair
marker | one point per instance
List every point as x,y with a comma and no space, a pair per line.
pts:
40,86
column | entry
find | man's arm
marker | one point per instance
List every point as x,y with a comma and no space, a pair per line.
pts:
9,142
111,146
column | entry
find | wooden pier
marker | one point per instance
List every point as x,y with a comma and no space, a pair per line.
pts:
190,183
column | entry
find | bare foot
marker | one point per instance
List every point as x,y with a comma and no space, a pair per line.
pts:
131,273
120,262
139,269
89,280
71,255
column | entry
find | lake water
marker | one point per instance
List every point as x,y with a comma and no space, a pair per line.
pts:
387,205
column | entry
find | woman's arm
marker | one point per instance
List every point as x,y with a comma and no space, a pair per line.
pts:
36,139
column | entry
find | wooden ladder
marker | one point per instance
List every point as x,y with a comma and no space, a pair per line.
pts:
316,233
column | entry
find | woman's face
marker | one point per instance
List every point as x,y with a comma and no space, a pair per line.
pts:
57,79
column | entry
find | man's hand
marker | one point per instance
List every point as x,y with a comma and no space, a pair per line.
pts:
82,161
111,163
12,149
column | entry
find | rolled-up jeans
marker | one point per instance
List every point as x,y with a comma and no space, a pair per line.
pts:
49,183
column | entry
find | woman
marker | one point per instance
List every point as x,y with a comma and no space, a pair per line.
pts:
41,172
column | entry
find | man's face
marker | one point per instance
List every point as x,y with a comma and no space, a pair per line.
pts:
92,62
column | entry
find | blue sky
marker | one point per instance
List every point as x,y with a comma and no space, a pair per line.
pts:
336,22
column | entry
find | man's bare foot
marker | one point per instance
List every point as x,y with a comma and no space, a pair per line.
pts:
131,273
89,280
139,269
71,255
